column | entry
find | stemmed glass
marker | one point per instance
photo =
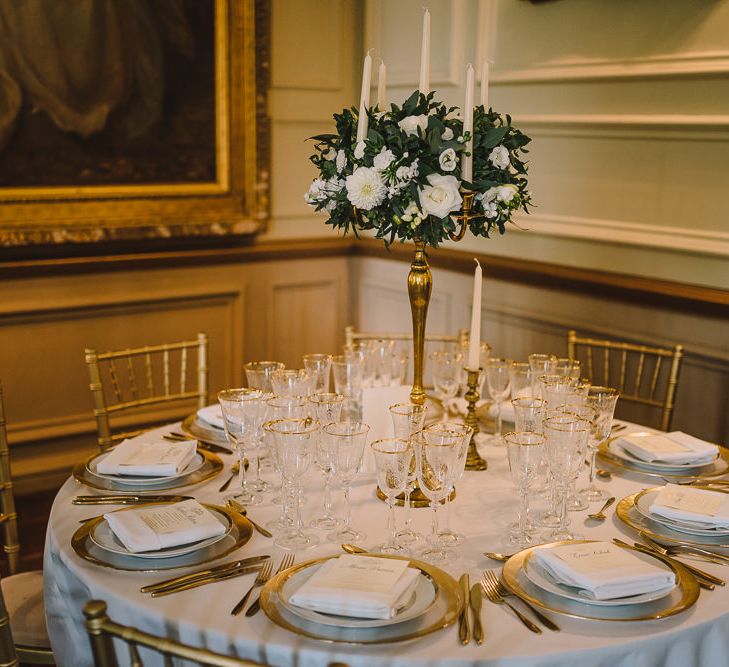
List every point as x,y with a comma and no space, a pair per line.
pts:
446,369
529,416
565,441
382,351
576,502
328,409
603,400
446,536
568,367
258,373
295,443
524,449
392,462
407,419
292,382
363,352
520,376
348,374
319,365
498,383
347,441
541,364
243,412
555,389
437,458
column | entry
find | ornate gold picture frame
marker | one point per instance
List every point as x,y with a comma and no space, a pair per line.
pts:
228,195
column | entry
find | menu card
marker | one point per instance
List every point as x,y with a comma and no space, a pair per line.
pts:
603,571
358,586
154,528
691,504
147,459
675,447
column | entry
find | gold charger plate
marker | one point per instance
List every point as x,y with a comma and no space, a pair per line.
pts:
628,513
200,430
84,546
445,612
685,595
718,467
211,466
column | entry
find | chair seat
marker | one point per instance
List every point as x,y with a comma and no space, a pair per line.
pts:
24,600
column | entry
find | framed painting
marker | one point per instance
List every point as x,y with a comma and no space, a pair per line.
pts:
150,122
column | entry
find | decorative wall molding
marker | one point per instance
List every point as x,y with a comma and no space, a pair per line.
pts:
712,63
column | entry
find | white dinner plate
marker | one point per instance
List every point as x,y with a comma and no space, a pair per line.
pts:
644,503
543,580
420,602
103,537
616,449
212,415
138,480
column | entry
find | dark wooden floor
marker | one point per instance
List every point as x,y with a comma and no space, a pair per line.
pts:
33,511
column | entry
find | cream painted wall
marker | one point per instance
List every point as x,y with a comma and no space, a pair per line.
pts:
628,106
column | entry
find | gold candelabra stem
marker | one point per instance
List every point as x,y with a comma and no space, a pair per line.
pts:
420,285
463,216
473,458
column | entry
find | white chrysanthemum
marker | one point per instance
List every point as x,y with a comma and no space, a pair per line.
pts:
447,134
383,159
341,160
499,157
447,160
365,188
359,150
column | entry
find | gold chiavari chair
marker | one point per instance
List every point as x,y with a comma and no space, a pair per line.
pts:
643,374
22,613
102,630
143,377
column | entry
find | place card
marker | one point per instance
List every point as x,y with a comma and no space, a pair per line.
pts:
695,501
371,574
595,557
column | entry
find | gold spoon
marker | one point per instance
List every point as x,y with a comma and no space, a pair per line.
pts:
497,556
601,516
351,549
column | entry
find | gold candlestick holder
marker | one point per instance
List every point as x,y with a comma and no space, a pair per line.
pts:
474,461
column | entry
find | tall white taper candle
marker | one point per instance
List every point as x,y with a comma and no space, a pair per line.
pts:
474,341
364,100
424,85
467,160
381,87
485,85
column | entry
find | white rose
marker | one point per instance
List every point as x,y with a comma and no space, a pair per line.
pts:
506,192
359,150
341,161
410,124
447,160
440,197
383,159
499,157
491,194
447,134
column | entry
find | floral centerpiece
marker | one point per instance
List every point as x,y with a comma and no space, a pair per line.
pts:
404,180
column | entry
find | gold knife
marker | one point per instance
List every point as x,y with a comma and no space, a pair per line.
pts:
221,576
201,574
476,600
127,500
464,624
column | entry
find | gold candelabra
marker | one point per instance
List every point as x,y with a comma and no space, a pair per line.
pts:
473,458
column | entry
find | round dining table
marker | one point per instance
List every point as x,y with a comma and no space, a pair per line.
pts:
484,506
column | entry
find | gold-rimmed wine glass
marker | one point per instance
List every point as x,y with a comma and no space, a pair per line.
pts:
392,464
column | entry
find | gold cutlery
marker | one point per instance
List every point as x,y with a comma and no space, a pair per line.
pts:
489,584
687,549
618,427
234,470
352,549
218,569
601,516
128,500
464,625
476,600
493,555
212,579
237,507
605,474
704,579
505,592
286,562
210,446
262,577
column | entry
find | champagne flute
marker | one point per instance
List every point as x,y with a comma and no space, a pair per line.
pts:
498,383
524,450
319,365
540,364
392,462
603,400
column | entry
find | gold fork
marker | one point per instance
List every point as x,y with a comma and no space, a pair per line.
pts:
505,592
286,562
490,585
264,574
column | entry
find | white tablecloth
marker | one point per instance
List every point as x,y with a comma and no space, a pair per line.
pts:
485,505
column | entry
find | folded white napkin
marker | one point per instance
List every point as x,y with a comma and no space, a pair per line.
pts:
147,458
154,528
675,447
358,586
683,503
212,415
602,571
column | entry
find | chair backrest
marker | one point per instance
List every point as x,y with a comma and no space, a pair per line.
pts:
8,654
8,515
102,630
644,375
143,377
